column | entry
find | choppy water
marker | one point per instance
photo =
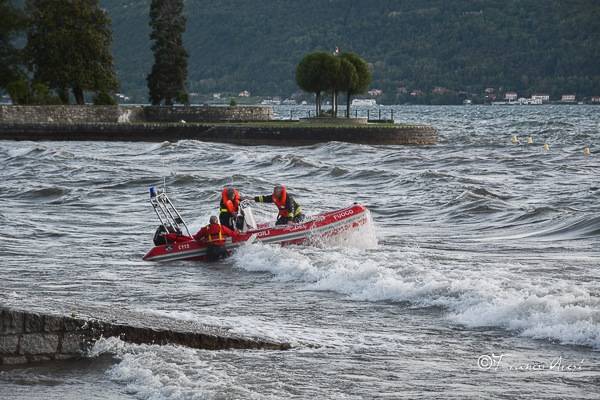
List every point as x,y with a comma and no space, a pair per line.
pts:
478,246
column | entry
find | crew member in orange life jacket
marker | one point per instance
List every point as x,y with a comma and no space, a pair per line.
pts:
229,209
289,210
215,235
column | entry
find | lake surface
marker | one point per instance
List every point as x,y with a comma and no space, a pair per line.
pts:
479,276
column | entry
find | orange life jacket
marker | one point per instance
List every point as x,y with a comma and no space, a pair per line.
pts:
228,205
215,235
281,203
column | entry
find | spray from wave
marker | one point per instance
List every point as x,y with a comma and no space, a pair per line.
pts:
498,297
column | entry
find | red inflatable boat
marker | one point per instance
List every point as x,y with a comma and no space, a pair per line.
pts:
313,229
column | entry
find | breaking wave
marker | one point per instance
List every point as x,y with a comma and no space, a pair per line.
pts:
570,315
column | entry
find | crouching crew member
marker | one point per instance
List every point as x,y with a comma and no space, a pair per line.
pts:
289,209
229,209
215,235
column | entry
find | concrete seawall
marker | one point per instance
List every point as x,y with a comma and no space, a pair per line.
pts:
268,133
74,114
27,337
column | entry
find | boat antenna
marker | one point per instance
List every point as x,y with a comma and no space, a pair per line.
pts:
164,176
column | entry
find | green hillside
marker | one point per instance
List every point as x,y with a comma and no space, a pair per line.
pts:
547,46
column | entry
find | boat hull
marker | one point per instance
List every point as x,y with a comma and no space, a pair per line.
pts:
314,229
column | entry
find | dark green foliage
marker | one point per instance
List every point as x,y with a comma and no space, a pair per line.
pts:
104,99
232,102
166,82
316,73
19,91
22,93
362,78
69,46
549,46
347,79
319,72
11,22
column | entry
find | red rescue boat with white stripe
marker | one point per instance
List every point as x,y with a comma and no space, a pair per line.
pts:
312,230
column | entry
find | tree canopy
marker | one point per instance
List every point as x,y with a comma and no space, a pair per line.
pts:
320,72
69,46
11,22
166,81
316,73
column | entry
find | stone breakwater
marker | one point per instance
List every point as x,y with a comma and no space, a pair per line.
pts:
268,133
73,114
27,337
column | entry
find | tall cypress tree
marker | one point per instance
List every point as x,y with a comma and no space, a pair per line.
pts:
11,21
69,46
166,81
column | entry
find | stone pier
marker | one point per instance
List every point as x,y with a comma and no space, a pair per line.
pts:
247,126
269,133
27,337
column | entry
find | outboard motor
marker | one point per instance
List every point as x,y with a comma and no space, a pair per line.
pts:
160,237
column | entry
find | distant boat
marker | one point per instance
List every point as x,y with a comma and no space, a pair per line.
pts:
289,102
364,102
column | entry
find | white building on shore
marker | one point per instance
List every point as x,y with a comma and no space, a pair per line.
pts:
568,98
544,98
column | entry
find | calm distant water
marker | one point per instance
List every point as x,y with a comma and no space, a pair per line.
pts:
477,247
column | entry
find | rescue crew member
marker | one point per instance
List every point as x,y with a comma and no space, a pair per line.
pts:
229,209
215,234
289,209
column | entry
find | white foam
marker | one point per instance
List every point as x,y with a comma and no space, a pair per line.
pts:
252,326
498,297
152,372
570,316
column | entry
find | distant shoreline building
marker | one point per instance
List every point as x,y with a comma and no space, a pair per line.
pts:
568,98
511,96
544,98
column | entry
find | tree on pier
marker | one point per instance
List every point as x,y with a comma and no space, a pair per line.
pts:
11,22
358,83
166,81
69,47
316,73
323,72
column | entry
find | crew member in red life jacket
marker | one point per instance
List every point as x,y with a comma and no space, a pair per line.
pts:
289,209
229,209
215,234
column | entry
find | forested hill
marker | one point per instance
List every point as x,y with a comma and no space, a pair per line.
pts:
550,46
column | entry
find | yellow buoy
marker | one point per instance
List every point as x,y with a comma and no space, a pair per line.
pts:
546,147
586,151
514,139
530,140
